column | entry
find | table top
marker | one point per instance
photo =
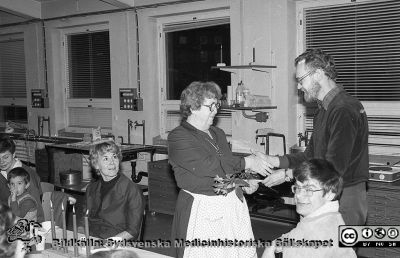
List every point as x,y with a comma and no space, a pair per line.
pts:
85,147
51,253
59,253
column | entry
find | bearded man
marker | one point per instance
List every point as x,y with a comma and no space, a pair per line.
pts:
340,134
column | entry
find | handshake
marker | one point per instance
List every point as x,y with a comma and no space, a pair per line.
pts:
263,165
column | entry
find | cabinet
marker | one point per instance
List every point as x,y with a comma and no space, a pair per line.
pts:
163,191
383,209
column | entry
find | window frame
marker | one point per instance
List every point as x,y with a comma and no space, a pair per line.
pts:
80,102
173,105
373,108
15,101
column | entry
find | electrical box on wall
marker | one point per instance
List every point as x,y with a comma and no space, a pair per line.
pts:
39,98
129,99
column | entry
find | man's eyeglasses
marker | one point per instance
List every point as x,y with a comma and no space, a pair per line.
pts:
304,190
300,79
213,106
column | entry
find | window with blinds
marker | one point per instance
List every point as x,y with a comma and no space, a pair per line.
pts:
12,79
363,38
88,95
89,65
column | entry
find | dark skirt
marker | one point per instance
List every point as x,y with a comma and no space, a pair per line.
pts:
181,220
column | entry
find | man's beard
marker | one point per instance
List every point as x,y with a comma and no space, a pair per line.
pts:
312,94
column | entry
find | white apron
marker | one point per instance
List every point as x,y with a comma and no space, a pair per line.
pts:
223,218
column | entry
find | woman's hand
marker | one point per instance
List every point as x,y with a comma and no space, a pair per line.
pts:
258,164
253,186
273,161
275,178
269,251
71,200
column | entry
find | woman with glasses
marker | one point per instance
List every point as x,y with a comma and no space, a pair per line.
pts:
316,192
198,152
114,202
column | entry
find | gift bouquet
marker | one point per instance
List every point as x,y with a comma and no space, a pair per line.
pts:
223,186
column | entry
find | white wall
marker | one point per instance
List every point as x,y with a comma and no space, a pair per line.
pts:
268,26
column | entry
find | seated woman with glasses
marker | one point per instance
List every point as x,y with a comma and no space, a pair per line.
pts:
316,192
198,152
115,203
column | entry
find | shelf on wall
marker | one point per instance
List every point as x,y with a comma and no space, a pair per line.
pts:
231,69
248,108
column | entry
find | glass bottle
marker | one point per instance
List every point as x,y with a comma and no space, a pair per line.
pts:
240,94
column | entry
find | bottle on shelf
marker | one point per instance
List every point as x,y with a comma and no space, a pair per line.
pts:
240,97
247,97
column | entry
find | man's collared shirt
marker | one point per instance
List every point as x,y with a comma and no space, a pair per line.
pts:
330,96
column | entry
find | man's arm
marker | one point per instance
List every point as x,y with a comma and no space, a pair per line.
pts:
343,133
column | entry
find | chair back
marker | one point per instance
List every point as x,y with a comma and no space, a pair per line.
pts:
142,226
57,198
46,187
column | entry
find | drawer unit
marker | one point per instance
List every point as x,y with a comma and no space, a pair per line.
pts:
383,209
163,190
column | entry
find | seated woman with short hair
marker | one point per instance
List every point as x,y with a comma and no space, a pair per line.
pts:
316,193
115,203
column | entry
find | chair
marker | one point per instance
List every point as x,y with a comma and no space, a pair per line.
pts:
57,199
142,226
46,187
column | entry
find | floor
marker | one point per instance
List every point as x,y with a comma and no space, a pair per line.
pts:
158,226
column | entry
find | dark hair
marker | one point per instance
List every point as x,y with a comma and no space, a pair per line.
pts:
7,220
322,171
315,58
6,144
19,171
193,96
102,148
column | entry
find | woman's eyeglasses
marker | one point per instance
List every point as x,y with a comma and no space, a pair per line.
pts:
213,106
304,190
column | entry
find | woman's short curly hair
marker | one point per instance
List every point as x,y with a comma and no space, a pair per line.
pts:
315,58
98,150
323,172
194,95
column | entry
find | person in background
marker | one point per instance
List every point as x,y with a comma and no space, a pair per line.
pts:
7,249
8,161
22,204
198,152
340,134
316,192
115,203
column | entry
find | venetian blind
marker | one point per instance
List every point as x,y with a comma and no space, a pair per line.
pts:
89,65
12,69
364,39
90,117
